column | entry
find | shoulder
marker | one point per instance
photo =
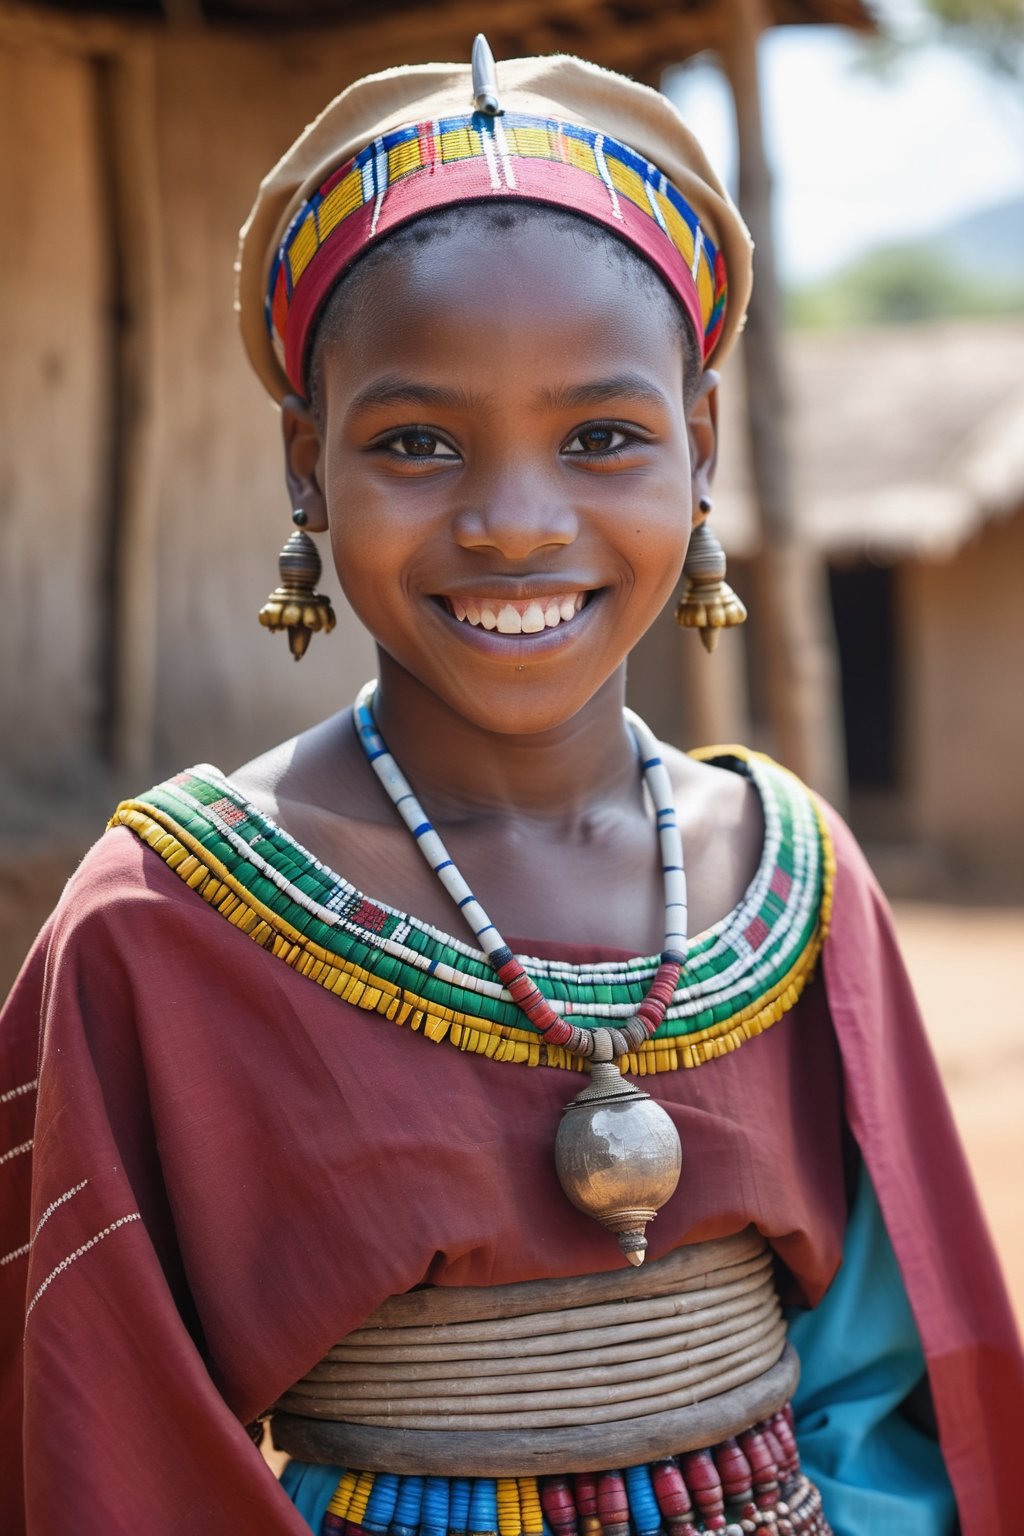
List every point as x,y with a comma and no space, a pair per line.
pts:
118,888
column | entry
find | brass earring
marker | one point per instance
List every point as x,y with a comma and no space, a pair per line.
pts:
296,605
707,601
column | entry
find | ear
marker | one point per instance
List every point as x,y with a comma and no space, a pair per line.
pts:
702,427
302,449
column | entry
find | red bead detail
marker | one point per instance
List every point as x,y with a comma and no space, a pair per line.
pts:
558,1032
783,1429
775,1450
558,1506
673,1498
527,996
585,1485
704,1483
734,1470
756,932
612,1504
369,915
764,1470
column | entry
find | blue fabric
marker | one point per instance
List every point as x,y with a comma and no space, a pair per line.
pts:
860,1355
310,1488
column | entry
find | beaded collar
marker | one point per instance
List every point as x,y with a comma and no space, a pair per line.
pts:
741,976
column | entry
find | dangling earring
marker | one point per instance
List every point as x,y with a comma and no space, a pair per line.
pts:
296,605
707,602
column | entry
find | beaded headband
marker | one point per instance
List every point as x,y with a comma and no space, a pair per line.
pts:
554,131
472,158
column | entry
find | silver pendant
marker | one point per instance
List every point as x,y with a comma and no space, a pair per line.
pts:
617,1152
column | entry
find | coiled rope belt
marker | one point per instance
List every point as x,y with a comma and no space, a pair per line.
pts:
555,1375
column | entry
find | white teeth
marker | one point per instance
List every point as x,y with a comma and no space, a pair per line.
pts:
527,617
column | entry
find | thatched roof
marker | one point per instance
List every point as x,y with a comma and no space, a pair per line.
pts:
640,37
906,440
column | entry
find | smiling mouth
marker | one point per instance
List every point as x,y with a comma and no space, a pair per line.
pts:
526,616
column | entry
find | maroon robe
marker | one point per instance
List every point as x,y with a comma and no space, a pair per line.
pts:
232,1168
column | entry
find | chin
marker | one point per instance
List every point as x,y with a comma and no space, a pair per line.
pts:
524,706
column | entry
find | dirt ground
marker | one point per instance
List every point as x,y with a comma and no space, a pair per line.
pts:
967,965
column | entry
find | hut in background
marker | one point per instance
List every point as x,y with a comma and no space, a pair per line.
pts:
908,461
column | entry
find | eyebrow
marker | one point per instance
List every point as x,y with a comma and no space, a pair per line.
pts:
619,386
395,390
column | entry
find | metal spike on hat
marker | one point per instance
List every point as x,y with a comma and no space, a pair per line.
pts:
485,78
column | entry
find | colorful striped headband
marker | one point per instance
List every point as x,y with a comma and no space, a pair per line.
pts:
553,130
453,160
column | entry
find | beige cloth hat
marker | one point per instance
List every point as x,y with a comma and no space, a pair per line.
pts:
616,115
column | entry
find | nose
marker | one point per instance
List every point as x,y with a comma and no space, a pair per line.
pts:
517,515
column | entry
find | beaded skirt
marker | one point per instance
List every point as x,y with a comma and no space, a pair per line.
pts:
748,1483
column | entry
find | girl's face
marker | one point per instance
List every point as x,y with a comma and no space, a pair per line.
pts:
505,466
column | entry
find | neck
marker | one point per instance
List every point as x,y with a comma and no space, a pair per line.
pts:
462,770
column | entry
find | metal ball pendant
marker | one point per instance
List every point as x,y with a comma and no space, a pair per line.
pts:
617,1154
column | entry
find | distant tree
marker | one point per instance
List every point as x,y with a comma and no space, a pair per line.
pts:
900,285
992,29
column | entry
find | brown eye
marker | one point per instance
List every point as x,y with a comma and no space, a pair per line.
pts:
598,439
418,443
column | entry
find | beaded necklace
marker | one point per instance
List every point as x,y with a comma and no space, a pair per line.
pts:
617,1153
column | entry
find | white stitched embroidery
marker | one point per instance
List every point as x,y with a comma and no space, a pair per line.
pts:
380,179
66,1263
15,1093
606,175
41,1223
26,1146
506,158
44,1218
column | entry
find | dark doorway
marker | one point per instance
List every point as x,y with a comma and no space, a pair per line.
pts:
864,611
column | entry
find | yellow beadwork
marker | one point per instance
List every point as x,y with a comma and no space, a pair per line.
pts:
510,1521
341,1499
529,1504
360,1497
468,1032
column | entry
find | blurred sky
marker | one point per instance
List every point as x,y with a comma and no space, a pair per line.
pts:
863,156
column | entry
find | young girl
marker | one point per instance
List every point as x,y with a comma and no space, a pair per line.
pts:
285,1071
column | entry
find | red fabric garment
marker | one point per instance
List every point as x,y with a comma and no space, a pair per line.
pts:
898,1113
232,1168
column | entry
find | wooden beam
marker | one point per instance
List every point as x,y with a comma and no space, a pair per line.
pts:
793,609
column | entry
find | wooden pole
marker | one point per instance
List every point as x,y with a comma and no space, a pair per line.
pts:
127,84
793,612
